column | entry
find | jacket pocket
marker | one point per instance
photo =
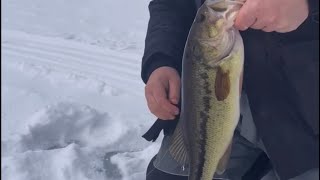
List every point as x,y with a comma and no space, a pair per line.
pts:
301,69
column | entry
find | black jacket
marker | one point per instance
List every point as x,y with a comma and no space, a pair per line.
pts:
281,79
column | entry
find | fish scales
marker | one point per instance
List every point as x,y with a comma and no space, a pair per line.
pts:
211,82
204,116
210,108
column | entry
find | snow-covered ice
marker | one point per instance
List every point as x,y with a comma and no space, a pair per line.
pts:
73,104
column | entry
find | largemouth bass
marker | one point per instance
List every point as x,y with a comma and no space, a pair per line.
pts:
211,84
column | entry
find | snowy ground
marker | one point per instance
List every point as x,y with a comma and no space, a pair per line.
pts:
73,105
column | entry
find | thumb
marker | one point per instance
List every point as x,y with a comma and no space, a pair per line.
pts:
245,17
174,90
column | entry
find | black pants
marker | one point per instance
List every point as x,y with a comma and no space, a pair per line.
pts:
155,174
257,171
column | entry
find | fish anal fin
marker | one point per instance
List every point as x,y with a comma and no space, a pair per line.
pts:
178,149
223,163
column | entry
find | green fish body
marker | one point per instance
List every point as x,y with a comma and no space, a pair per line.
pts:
211,84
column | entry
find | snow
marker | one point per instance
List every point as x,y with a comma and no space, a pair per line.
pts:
73,104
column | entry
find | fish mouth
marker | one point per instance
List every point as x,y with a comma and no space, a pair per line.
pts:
224,47
228,9
216,36
215,4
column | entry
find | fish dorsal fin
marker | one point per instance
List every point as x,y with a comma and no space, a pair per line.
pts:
222,166
178,148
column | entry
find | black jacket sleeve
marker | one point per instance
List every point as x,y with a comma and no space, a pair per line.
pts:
313,7
168,28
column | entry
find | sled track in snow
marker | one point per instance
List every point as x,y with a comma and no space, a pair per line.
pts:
114,68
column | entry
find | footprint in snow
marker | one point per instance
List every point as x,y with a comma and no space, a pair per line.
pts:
59,125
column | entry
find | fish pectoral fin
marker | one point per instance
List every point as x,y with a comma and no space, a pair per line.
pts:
178,149
223,163
222,84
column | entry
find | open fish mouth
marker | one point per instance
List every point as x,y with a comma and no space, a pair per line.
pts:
223,51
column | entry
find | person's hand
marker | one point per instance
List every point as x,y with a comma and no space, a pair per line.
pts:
163,93
272,15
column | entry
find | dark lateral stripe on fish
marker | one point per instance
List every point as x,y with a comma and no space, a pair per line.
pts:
204,117
206,83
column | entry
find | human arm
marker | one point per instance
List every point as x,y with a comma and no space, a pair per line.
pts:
168,28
